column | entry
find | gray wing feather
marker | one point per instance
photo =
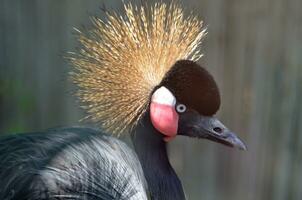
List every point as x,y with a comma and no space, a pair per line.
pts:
69,163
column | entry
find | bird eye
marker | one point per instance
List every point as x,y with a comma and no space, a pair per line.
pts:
181,108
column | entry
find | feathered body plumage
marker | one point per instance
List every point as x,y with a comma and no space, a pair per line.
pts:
69,163
124,58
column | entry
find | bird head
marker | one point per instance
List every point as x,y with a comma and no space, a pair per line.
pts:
144,61
184,104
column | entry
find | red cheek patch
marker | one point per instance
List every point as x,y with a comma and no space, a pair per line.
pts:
165,119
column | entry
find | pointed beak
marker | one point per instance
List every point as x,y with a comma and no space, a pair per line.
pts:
207,127
214,130
227,138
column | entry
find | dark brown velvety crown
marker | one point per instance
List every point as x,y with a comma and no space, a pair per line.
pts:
193,86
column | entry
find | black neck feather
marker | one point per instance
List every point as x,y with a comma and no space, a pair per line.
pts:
162,180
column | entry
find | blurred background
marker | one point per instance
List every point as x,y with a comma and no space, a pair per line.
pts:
253,49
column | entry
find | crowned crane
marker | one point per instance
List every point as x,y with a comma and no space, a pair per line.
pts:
136,74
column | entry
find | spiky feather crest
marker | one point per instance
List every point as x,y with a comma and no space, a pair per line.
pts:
123,58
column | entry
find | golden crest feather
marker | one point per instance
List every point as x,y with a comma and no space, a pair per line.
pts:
123,58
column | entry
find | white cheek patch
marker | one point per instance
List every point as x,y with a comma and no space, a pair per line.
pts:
163,96
163,114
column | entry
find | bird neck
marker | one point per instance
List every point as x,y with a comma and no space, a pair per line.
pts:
151,149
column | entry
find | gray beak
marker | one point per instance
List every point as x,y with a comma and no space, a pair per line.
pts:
214,130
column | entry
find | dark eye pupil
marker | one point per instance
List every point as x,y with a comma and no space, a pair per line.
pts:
181,108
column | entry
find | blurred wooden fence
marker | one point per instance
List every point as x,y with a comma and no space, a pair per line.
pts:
254,50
